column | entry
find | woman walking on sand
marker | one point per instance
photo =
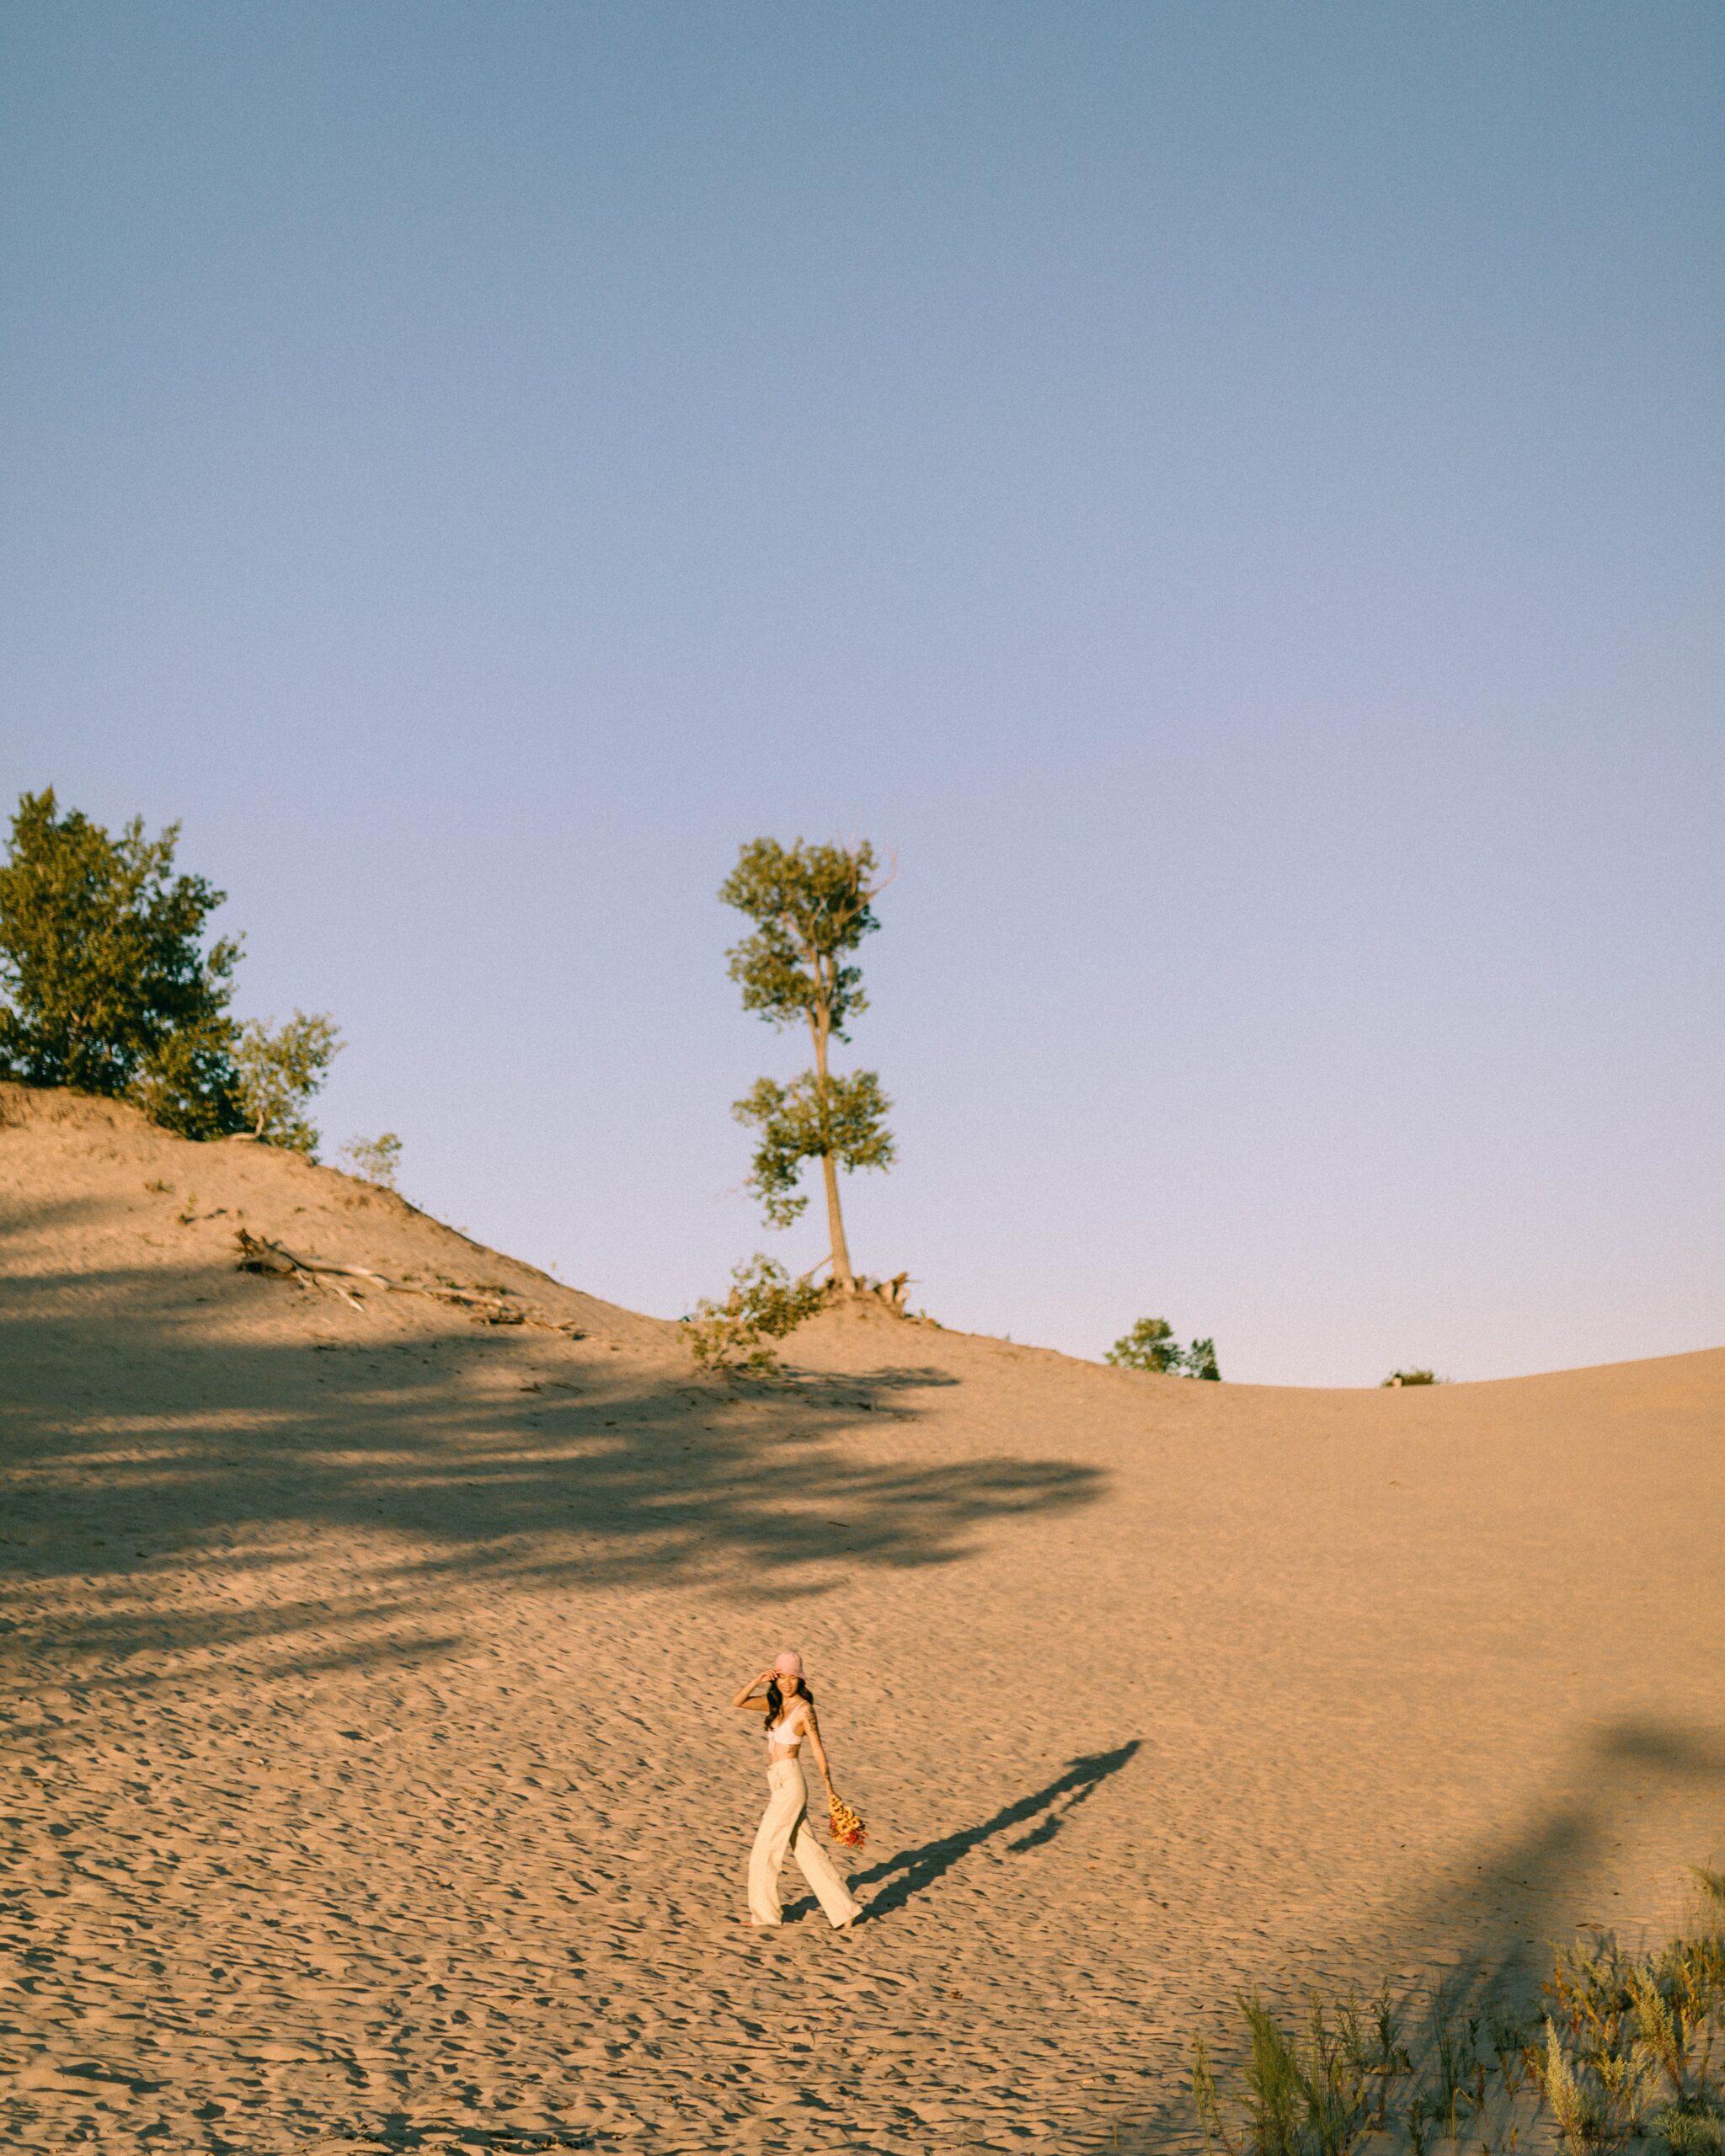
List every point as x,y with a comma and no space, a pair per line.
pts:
781,1694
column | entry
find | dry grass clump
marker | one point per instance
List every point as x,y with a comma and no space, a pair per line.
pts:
1630,2050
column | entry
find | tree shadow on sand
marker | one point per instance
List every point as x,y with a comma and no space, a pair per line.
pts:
1487,1941
912,1871
140,1434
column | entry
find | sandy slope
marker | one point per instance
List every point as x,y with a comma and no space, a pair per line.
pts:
369,1780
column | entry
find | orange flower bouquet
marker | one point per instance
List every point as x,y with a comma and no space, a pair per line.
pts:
845,1825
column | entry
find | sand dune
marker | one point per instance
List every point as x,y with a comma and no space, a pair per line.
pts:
371,1782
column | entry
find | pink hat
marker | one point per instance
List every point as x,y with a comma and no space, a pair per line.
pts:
788,1664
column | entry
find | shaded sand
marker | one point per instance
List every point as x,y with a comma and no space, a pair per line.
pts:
370,1781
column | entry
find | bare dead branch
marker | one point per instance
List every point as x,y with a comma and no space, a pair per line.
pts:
257,1254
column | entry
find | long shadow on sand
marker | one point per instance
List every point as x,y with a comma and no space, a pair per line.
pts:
1488,1939
913,1871
399,2135
137,1433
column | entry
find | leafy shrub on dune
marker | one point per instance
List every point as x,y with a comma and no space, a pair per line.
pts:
107,986
377,1159
1151,1345
763,1305
280,1069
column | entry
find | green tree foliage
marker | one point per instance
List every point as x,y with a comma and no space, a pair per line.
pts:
811,905
1151,1345
377,1159
1411,1377
106,982
279,1072
764,1304
845,1121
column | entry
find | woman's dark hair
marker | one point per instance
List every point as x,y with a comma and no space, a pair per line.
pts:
775,1699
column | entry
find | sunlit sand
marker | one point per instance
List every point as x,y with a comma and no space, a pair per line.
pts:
371,1781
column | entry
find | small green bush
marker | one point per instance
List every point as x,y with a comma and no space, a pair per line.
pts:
279,1072
763,1305
1151,1345
1412,1377
377,1159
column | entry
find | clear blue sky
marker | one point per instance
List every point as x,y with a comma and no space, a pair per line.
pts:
1230,495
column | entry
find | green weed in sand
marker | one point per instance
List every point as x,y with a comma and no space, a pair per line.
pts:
1630,2052
764,1304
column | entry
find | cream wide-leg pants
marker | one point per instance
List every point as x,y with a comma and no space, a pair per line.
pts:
785,1826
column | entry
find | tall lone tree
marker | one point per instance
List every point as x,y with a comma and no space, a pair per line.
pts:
811,905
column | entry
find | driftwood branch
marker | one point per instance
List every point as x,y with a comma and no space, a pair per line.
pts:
257,1254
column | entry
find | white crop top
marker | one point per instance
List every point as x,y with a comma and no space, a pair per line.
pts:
791,1728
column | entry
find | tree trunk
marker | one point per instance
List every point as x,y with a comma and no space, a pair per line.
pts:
819,1024
841,1272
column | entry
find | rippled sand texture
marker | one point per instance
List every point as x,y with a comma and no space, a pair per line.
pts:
371,1783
